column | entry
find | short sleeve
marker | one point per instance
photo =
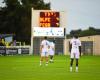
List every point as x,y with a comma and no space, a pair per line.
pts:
48,43
71,41
79,42
42,43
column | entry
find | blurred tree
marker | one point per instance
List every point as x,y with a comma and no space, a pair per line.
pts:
77,32
15,17
88,32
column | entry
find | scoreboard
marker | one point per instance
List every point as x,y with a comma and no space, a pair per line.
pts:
49,19
50,23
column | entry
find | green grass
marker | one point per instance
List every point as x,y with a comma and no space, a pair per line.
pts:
27,68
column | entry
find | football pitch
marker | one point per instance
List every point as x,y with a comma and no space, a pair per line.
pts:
27,68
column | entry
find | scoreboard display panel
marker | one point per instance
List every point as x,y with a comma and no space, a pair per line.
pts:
49,19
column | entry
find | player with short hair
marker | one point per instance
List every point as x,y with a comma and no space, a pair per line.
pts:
44,50
75,50
52,50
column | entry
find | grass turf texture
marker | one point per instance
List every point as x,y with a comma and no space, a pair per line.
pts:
27,68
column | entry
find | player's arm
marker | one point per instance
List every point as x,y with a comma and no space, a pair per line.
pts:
41,46
70,47
80,50
48,43
48,46
54,48
80,47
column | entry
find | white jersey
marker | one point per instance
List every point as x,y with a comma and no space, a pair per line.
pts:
75,44
51,49
45,44
75,47
52,45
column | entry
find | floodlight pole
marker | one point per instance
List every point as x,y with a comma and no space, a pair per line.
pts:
31,49
65,42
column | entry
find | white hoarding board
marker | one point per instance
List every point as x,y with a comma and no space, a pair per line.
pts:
52,31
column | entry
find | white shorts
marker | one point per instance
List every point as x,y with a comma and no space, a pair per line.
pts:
74,54
44,54
51,52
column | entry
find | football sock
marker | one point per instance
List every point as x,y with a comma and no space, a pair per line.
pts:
71,69
76,69
40,63
46,63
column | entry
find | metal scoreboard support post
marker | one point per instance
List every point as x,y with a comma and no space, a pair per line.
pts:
47,23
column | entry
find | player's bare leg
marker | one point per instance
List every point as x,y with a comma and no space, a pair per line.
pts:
51,58
76,65
41,60
71,64
46,60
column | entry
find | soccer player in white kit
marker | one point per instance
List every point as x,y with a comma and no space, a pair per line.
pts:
44,50
75,50
52,50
